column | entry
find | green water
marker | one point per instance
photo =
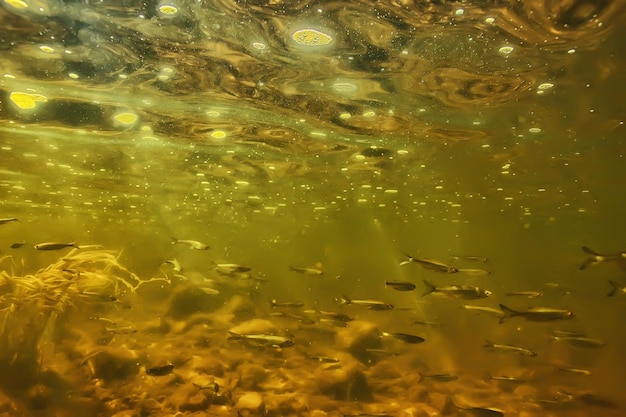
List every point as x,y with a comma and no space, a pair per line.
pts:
437,130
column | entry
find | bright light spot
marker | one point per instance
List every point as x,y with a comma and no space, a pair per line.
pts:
345,87
125,119
18,4
311,37
26,101
218,134
47,49
459,12
490,20
369,114
402,152
505,50
534,130
73,75
259,45
545,86
572,51
213,113
168,10
345,116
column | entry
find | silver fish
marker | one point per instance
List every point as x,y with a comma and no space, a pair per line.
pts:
529,294
55,246
427,323
160,370
192,244
120,329
407,338
571,370
478,259
596,258
287,304
262,339
324,359
8,220
306,270
536,314
484,309
474,271
580,341
228,269
400,285
510,348
17,245
176,265
457,291
430,264
504,378
437,377
617,289
371,304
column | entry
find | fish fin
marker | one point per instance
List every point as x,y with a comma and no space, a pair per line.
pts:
488,344
174,240
614,289
554,338
73,245
588,261
430,288
345,300
589,251
508,312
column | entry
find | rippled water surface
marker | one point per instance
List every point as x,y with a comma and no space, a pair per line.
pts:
315,148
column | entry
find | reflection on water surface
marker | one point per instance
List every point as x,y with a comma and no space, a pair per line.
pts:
207,208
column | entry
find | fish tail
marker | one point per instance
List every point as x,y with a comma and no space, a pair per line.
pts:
430,288
508,312
488,376
234,336
345,300
408,260
614,290
421,378
73,245
174,240
488,344
589,251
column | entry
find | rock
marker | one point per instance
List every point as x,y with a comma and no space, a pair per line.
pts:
255,326
358,338
111,365
189,299
39,396
126,413
250,401
196,402
344,384
441,402
251,375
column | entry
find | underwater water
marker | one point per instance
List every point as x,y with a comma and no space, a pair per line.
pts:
305,208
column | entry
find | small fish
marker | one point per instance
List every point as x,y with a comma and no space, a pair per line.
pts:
430,264
176,265
457,291
477,259
597,401
336,316
55,246
536,314
407,338
228,269
570,370
427,323
104,319
484,309
324,359
437,377
400,285
579,341
8,220
192,244
504,378
595,258
262,339
287,304
474,271
160,370
617,289
509,348
381,352
120,330
98,297
297,317
17,245
529,294
306,271
371,304
482,411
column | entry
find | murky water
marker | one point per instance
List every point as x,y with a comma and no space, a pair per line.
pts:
312,146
